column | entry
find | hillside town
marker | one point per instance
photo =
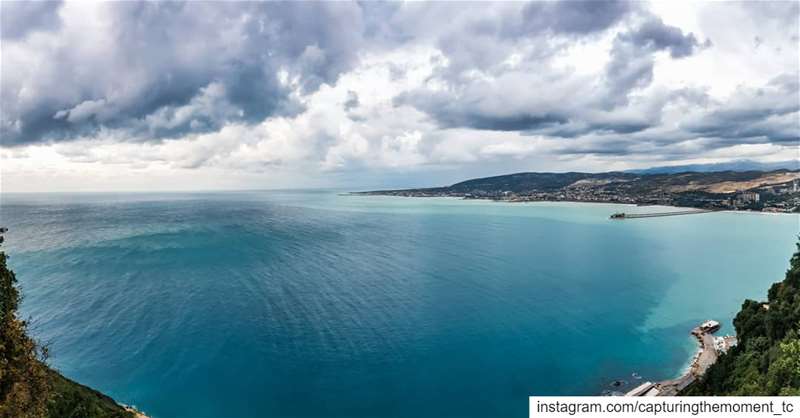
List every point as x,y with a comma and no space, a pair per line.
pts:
779,198
764,192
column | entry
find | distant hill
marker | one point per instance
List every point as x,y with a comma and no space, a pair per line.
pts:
520,182
740,165
773,191
618,182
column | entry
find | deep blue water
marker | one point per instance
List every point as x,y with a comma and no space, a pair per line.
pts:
309,304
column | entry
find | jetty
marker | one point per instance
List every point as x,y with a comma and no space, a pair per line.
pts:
622,215
706,356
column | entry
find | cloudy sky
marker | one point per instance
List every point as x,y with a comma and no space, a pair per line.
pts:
171,96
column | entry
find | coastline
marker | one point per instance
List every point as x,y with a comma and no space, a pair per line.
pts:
704,357
588,202
136,413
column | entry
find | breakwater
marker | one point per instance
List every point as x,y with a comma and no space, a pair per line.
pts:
658,214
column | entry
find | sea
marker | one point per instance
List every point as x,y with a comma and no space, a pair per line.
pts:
316,303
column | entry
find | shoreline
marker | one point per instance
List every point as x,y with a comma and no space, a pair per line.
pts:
568,201
136,413
703,358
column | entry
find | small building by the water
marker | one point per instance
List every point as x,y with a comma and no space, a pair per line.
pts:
653,391
709,326
723,344
641,390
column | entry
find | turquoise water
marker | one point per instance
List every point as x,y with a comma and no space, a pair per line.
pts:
307,303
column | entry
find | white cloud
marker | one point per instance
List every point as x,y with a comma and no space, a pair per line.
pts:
251,95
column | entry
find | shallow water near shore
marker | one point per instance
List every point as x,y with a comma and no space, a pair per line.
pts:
311,303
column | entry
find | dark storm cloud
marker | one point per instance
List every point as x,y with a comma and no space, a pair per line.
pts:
518,122
558,119
767,114
584,109
577,129
655,35
19,18
167,69
573,17
614,147
481,40
614,119
452,113
632,60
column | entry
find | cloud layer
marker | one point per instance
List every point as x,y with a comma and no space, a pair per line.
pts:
337,90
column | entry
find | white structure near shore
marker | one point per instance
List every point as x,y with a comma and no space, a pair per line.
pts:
645,389
723,344
706,355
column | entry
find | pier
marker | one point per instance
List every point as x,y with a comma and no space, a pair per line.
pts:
622,215
702,360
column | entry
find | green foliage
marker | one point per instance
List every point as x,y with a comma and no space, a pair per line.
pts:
70,399
28,388
784,372
767,359
24,387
